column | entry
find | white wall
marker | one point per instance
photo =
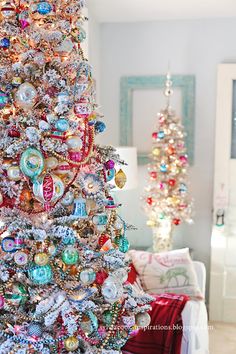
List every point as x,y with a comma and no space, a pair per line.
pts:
192,47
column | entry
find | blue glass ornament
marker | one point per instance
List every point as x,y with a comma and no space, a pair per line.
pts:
5,43
81,35
8,244
183,188
68,238
62,124
31,163
161,134
123,243
3,99
35,329
110,174
79,210
40,275
163,167
100,126
44,8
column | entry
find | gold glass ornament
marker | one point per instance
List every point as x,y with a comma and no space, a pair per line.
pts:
41,258
156,151
71,343
120,178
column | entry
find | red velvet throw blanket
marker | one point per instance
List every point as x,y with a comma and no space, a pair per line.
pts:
164,334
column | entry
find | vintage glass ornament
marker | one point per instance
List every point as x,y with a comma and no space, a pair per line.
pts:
112,289
183,188
156,151
121,274
109,165
70,255
172,182
109,203
68,198
26,96
161,134
89,323
16,81
71,343
21,258
5,43
40,275
75,156
100,219
51,163
14,173
82,109
155,135
8,10
79,209
101,276
163,167
142,319
2,302
123,243
74,143
120,178
176,221
48,189
8,244
63,168
110,174
17,294
87,276
3,99
41,258
32,163
35,329
103,238
107,317
65,47
13,132
62,124
44,8
100,126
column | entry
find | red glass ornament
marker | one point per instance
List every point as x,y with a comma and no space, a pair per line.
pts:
103,239
13,133
149,200
155,135
176,221
171,182
101,277
183,159
153,174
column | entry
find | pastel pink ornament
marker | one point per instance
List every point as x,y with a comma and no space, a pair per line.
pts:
24,24
75,156
2,301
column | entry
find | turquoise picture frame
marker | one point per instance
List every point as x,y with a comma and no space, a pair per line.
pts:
186,83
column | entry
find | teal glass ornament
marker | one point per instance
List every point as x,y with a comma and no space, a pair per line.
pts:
107,317
32,163
100,219
87,276
40,275
163,167
70,255
62,125
89,323
161,134
110,174
68,240
123,243
79,210
3,99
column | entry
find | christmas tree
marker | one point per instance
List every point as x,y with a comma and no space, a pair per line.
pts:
63,271
166,198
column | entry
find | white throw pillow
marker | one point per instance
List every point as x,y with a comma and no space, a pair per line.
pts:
171,272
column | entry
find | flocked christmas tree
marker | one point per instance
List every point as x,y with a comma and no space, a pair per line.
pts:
63,271
166,199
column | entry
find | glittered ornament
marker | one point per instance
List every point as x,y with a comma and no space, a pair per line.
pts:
70,255
35,329
32,163
120,178
142,319
41,258
87,276
26,96
109,165
71,344
40,275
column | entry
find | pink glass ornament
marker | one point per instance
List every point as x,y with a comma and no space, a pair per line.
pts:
75,156
2,301
183,159
24,24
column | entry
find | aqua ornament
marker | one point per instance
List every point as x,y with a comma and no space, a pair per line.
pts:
44,8
62,125
110,174
3,99
70,255
32,163
40,275
123,243
79,210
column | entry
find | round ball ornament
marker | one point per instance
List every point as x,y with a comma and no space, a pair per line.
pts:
176,221
109,165
13,173
44,8
68,198
21,258
17,294
100,126
8,244
70,255
32,163
101,277
8,10
41,259
89,323
5,43
3,99
40,275
48,189
71,344
107,317
112,289
35,329
87,276
51,163
142,319
163,167
74,143
62,125
26,96
2,302
161,134
123,243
